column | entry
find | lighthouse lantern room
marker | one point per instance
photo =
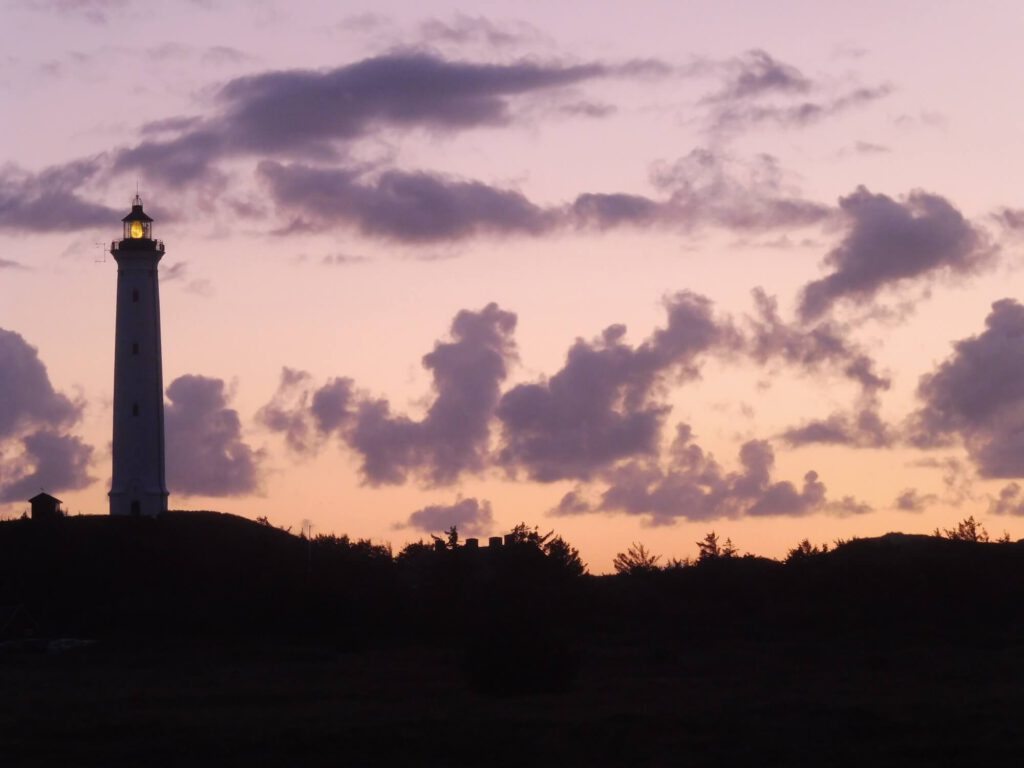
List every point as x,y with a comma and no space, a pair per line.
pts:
137,224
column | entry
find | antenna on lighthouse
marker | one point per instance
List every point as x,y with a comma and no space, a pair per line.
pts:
103,250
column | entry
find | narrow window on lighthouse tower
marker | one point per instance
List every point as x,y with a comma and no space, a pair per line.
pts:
135,295
135,347
135,409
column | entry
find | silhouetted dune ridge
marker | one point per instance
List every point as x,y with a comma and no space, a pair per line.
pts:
208,573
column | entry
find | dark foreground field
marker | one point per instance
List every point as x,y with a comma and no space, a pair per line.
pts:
213,641
762,704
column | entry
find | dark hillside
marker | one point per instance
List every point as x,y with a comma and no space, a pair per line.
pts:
915,586
886,590
224,641
183,573
206,572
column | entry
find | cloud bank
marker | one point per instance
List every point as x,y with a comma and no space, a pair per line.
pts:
472,517
312,113
49,201
452,437
600,407
694,487
890,243
36,450
206,455
598,420
702,189
977,396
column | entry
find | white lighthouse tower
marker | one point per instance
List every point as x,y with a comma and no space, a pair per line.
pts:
137,486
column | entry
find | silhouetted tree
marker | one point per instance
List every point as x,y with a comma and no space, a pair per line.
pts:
264,520
968,529
524,534
711,549
414,550
804,551
565,556
449,541
636,560
557,549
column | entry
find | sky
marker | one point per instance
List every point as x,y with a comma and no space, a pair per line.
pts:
629,273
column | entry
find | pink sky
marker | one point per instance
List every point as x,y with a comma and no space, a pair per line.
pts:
335,187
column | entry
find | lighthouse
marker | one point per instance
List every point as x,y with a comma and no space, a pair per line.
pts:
137,485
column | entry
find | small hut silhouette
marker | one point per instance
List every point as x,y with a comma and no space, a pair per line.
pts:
46,507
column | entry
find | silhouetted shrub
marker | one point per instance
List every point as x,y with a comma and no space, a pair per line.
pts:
635,561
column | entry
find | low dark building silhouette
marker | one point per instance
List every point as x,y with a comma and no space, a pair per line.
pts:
46,507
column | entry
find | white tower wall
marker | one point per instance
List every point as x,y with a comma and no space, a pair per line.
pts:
138,485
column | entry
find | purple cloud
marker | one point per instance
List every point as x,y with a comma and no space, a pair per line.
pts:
288,411
595,411
409,207
1009,502
51,461
812,350
605,406
96,11
706,188
892,242
694,487
751,80
1012,217
206,455
734,116
863,428
29,400
757,73
307,113
816,350
49,200
470,516
452,438
464,30
598,409
702,189
912,500
977,395
35,449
